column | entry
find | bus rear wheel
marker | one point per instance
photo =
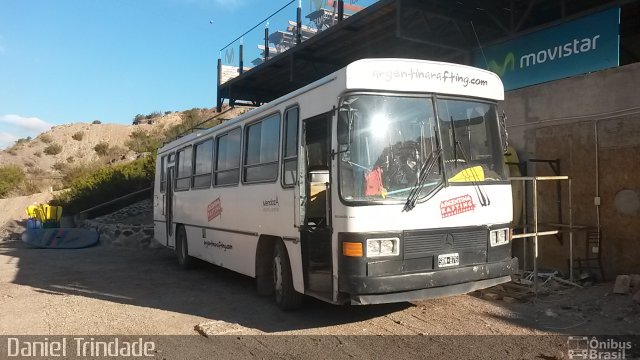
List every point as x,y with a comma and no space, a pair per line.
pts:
182,249
287,298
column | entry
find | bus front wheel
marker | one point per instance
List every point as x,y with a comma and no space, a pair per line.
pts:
182,249
286,296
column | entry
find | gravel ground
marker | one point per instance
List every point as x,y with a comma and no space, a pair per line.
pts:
109,291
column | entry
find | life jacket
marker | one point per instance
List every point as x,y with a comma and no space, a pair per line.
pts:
373,181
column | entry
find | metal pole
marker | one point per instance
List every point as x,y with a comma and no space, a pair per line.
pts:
219,98
299,24
524,224
258,24
597,182
340,10
241,66
535,236
570,235
266,42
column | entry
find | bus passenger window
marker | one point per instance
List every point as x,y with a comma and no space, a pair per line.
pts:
227,158
183,177
262,140
163,173
290,148
202,164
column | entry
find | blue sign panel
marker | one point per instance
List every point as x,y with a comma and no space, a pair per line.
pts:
587,44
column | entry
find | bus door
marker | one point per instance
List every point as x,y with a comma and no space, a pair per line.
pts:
313,191
168,206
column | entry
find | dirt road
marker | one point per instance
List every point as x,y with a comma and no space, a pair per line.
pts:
105,290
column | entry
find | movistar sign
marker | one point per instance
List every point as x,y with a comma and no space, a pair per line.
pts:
587,44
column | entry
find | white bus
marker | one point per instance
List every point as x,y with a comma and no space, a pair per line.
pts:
382,182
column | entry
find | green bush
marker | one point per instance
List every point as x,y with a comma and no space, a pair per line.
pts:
23,141
74,173
116,152
153,115
46,138
141,141
37,154
36,172
138,119
190,119
31,187
60,166
96,122
53,149
78,136
11,178
102,148
93,186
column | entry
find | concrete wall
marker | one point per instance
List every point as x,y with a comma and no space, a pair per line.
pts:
560,120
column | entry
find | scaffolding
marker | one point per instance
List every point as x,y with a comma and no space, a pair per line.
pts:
535,226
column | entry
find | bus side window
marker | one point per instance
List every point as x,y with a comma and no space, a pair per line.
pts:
202,164
183,166
290,147
262,140
227,171
163,173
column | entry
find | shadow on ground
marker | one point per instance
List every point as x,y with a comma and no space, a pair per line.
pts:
592,310
151,278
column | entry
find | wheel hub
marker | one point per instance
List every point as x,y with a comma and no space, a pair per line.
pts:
277,274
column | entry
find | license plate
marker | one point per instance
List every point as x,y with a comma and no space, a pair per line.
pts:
448,260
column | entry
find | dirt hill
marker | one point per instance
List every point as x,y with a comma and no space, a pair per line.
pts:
77,145
46,156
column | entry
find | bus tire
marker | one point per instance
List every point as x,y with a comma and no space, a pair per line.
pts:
182,249
264,265
287,298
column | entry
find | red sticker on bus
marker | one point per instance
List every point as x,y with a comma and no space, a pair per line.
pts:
214,209
456,206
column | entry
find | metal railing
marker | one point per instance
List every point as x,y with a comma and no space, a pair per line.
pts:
288,26
537,233
88,213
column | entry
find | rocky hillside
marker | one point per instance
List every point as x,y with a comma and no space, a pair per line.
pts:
74,144
47,156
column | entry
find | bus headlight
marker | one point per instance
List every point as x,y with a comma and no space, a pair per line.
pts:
383,247
498,237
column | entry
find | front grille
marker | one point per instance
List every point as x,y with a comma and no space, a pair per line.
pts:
421,243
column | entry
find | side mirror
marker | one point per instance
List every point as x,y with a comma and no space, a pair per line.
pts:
344,130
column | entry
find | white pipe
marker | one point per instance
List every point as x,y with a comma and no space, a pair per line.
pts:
597,182
584,118
570,234
535,237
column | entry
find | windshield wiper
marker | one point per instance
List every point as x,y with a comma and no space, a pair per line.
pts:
425,171
482,196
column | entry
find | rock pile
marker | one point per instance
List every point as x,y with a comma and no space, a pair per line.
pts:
628,284
117,229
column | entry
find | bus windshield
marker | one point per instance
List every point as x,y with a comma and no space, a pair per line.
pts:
392,138
471,145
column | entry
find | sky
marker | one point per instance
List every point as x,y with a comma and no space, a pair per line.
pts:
66,61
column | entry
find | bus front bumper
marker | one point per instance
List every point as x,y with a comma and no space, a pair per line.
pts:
363,290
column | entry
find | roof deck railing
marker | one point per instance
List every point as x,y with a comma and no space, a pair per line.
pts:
283,29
